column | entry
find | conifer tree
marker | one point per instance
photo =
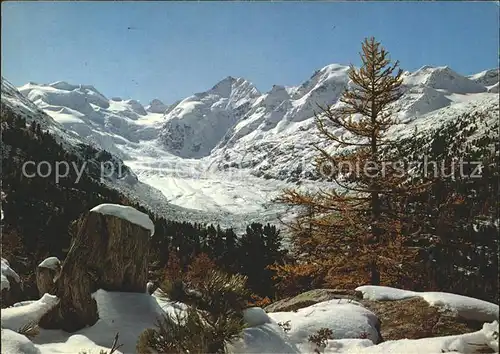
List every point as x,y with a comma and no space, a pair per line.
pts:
357,226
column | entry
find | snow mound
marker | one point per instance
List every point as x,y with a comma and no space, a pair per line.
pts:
51,263
15,343
129,314
490,332
256,316
464,343
127,213
7,271
463,306
266,338
382,293
345,318
19,316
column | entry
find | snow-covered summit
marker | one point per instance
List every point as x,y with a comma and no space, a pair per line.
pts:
196,124
83,110
233,126
443,78
104,129
486,77
156,106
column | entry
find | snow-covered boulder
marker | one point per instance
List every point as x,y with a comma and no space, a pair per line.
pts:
10,283
413,315
484,340
126,213
19,316
15,343
345,318
463,306
46,274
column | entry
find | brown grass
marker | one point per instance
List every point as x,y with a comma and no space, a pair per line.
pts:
414,318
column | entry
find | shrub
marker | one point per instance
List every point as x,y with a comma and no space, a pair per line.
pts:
320,338
213,319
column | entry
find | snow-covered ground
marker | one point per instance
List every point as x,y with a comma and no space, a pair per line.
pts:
354,328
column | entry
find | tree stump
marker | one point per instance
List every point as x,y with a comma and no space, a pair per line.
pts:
109,252
46,274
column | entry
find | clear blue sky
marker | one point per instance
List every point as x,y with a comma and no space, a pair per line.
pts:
175,49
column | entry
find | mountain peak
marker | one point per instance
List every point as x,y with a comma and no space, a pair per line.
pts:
486,77
229,84
156,106
443,78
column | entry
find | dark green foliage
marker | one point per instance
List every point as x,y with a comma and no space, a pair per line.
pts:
260,248
214,317
250,254
174,335
456,219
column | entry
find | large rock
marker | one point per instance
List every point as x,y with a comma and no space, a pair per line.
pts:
109,252
414,318
312,297
411,318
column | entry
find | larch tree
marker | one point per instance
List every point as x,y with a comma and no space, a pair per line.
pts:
358,226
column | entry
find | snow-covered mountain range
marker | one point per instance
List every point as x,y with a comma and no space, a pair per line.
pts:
231,149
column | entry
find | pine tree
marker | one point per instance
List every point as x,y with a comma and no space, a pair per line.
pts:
356,228
259,248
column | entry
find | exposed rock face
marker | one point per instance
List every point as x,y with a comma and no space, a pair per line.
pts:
110,253
312,297
46,274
